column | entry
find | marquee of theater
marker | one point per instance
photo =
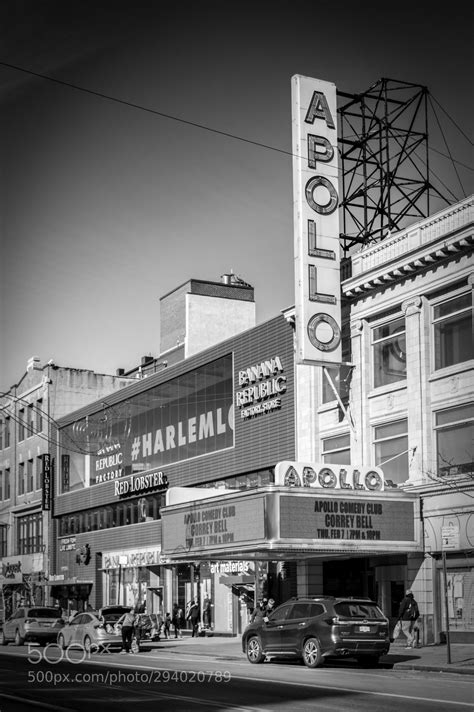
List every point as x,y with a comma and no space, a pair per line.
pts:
258,526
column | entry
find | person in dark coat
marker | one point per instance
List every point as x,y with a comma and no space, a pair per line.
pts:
258,612
177,620
408,614
193,616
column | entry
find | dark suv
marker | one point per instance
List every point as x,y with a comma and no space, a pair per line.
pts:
317,628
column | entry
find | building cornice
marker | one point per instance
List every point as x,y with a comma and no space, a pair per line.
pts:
420,247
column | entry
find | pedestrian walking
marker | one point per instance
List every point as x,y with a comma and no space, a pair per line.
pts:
258,612
193,616
177,619
167,626
408,614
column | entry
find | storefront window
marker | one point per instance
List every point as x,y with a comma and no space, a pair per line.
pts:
389,352
460,593
453,334
454,440
391,450
337,450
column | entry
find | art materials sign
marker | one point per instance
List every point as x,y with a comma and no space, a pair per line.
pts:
329,477
316,221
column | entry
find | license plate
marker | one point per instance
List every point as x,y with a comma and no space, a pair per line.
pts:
46,625
364,628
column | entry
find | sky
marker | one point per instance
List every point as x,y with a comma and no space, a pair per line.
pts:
106,207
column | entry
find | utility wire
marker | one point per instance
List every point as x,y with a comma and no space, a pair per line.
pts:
451,119
447,147
144,108
163,114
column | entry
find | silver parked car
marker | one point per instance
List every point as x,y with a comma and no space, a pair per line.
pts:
91,631
38,624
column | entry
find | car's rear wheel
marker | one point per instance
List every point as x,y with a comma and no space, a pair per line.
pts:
61,641
3,640
312,656
368,660
18,639
254,651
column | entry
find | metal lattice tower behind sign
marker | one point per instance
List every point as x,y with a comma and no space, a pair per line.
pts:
383,144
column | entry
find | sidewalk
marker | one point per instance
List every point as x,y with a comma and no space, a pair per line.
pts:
429,658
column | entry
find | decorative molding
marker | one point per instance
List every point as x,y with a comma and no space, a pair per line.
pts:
411,306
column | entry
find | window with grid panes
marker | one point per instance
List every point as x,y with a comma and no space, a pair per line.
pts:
389,352
454,429
391,450
453,331
337,449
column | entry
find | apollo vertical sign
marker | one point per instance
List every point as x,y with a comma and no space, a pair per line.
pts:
316,220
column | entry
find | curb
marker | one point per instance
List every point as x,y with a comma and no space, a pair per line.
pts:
468,670
434,668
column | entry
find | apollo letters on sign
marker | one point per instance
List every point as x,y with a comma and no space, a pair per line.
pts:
316,221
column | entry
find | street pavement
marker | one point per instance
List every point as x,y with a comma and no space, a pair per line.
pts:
431,658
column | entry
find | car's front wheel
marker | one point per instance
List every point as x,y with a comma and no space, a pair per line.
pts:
18,639
254,651
3,640
312,656
87,644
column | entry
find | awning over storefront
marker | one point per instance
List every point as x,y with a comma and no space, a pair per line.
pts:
279,522
70,589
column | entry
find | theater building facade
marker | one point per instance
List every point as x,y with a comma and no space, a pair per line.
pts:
237,471
327,450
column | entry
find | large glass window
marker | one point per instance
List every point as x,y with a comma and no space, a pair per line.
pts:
186,417
30,533
455,440
391,450
337,450
117,514
453,337
389,352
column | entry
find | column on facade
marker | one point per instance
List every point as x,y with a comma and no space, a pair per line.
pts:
307,402
359,386
417,368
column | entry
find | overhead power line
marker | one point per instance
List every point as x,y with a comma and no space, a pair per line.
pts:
171,117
